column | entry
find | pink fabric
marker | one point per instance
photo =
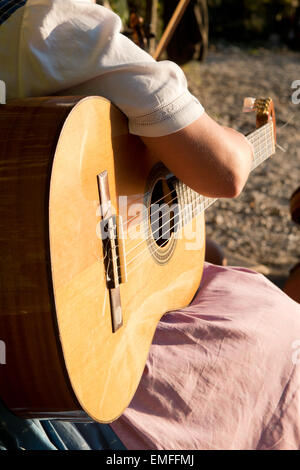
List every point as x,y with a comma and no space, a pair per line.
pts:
221,373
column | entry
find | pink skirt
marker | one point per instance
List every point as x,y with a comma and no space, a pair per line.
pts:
222,373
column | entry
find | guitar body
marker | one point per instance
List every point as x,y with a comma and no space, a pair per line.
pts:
62,353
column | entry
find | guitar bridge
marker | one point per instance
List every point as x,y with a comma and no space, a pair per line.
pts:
113,251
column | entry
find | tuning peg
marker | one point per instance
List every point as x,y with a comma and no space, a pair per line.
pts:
249,105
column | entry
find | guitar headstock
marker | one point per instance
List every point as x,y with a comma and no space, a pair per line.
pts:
265,111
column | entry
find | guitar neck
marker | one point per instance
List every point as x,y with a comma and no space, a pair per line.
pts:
193,203
263,142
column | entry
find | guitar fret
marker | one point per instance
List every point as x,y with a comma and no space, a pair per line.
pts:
263,143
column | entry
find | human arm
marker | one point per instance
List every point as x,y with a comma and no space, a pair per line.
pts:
213,160
76,48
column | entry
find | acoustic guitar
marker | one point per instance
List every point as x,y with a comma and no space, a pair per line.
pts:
98,241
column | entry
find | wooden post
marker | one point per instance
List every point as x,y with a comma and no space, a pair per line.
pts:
177,15
151,24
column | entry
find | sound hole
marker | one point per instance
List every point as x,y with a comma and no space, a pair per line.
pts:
163,211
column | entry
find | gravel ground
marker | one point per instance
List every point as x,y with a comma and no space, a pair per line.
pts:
255,229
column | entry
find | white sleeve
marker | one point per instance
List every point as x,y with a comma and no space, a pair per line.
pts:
78,46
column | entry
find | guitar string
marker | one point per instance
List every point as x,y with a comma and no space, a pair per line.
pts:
149,192
204,205
252,135
192,214
195,211
146,250
142,197
136,246
196,199
187,193
208,201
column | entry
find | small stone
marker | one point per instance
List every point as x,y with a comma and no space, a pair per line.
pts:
219,219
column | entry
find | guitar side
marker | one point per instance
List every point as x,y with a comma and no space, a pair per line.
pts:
33,379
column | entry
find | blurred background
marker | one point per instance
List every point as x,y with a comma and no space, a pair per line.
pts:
234,21
230,49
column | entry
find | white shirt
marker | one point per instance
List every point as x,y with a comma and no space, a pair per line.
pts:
75,47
